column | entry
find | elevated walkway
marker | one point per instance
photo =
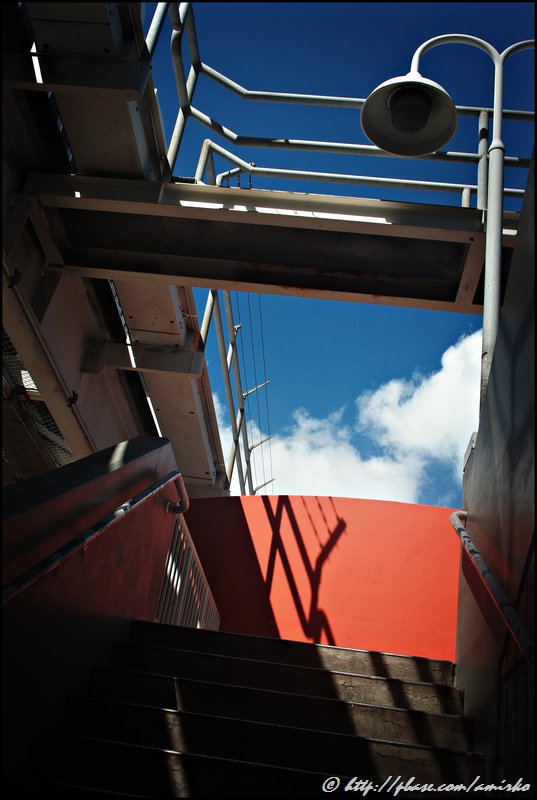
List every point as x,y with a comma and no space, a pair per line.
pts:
337,248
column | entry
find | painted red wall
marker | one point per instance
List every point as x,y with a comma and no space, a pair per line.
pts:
356,573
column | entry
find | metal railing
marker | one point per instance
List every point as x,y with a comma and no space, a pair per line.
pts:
182,19
83,540
502,604
185,598
237,416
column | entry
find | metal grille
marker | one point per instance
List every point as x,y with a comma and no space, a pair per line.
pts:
185,597
32,442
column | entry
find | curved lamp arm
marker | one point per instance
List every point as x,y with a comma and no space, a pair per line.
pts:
494,220
452,38
498,58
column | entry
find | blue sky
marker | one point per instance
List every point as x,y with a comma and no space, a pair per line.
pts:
364,401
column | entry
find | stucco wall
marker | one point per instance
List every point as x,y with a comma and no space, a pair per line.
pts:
356,573
65,623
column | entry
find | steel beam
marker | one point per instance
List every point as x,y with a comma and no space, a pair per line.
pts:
343,248
141,358
62,74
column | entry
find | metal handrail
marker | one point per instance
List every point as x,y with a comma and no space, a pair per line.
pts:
343,148
331,177
83,540
505,609
182,18
183,503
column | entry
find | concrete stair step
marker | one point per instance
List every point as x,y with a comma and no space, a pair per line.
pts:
115,766
342,659
301,680
17,786
278,745
361,719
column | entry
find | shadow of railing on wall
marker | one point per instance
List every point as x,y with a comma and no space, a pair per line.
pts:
314,621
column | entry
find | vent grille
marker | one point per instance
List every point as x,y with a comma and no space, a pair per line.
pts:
32,442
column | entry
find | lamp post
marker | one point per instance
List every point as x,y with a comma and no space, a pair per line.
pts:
412,116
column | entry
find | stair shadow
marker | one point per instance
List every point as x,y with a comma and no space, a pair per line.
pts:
316,622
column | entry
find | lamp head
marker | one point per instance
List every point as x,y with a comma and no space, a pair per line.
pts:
409,116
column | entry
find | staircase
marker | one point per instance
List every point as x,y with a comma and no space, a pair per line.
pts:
182,712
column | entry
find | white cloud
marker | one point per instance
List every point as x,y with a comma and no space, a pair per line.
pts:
317,456
411,424
430,417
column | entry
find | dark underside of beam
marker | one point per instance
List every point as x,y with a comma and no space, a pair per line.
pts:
300,261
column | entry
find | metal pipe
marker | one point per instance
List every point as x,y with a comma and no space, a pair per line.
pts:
493,236
261,441
183,16
255,389
261,485
236,453
347,148
192,39
508,113
452,38
179,128
230,173
280,97
185,89
238,383
184,500
211,174
179,70
508,614
177,13
465,198
482,167
495,190
494,220
207,317
366,180
155,29
360,180
330,100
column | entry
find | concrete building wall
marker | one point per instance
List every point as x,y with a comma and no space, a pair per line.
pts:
499,498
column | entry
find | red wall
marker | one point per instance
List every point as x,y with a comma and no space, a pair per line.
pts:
356,573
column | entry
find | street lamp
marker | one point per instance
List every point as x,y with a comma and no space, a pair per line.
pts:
409,116
413,116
